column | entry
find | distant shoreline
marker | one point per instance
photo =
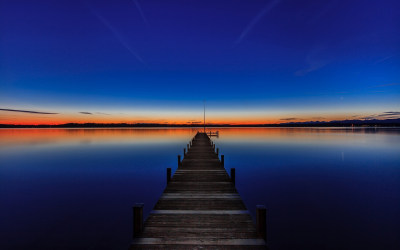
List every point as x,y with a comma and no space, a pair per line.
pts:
345,123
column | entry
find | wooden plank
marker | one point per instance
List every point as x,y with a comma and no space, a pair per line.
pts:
199,212
210,241
200,196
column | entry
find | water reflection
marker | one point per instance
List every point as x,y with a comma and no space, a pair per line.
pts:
324,188
23,137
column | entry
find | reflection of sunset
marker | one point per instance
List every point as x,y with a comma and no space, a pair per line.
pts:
95,135
282,135
73,136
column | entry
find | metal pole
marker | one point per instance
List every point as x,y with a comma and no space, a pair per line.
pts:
204,116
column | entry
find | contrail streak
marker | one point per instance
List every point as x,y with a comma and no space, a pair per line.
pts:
255,20
118,36
140,11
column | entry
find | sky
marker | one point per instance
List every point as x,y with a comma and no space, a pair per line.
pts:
145,61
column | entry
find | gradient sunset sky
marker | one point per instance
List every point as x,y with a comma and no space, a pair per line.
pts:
253,61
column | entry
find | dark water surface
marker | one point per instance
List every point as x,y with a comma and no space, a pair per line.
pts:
324,188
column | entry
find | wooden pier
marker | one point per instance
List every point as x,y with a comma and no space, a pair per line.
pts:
200,207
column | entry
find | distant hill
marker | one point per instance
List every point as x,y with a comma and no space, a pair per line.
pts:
343,123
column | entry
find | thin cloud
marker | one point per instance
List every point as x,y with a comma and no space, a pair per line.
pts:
101,113
384,59
393,112
29,111
390,113
194,122
314,60
86,113
385,85
117,35
383,115
289,119
255,20
313,65
139,7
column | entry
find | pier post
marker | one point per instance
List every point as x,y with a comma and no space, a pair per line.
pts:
233,176
137,219
214,147
188,147
184,152
261,221
168,175
217,151
179,160
222,160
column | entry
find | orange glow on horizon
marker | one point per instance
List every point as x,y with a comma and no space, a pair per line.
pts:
14,118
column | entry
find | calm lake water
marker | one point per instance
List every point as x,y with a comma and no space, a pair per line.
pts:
324,188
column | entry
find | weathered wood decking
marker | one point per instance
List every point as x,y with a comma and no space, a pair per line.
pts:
200,208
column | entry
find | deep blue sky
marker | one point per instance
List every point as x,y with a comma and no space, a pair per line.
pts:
266,60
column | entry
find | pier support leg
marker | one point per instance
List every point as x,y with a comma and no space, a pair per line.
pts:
137,219
168,175
184,152
214,147
217,151
222,160
179,161
188,147
233,176
262,222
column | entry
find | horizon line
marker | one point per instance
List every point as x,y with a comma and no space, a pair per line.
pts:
367,122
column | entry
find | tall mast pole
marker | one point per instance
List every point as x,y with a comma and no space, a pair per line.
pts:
204,116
